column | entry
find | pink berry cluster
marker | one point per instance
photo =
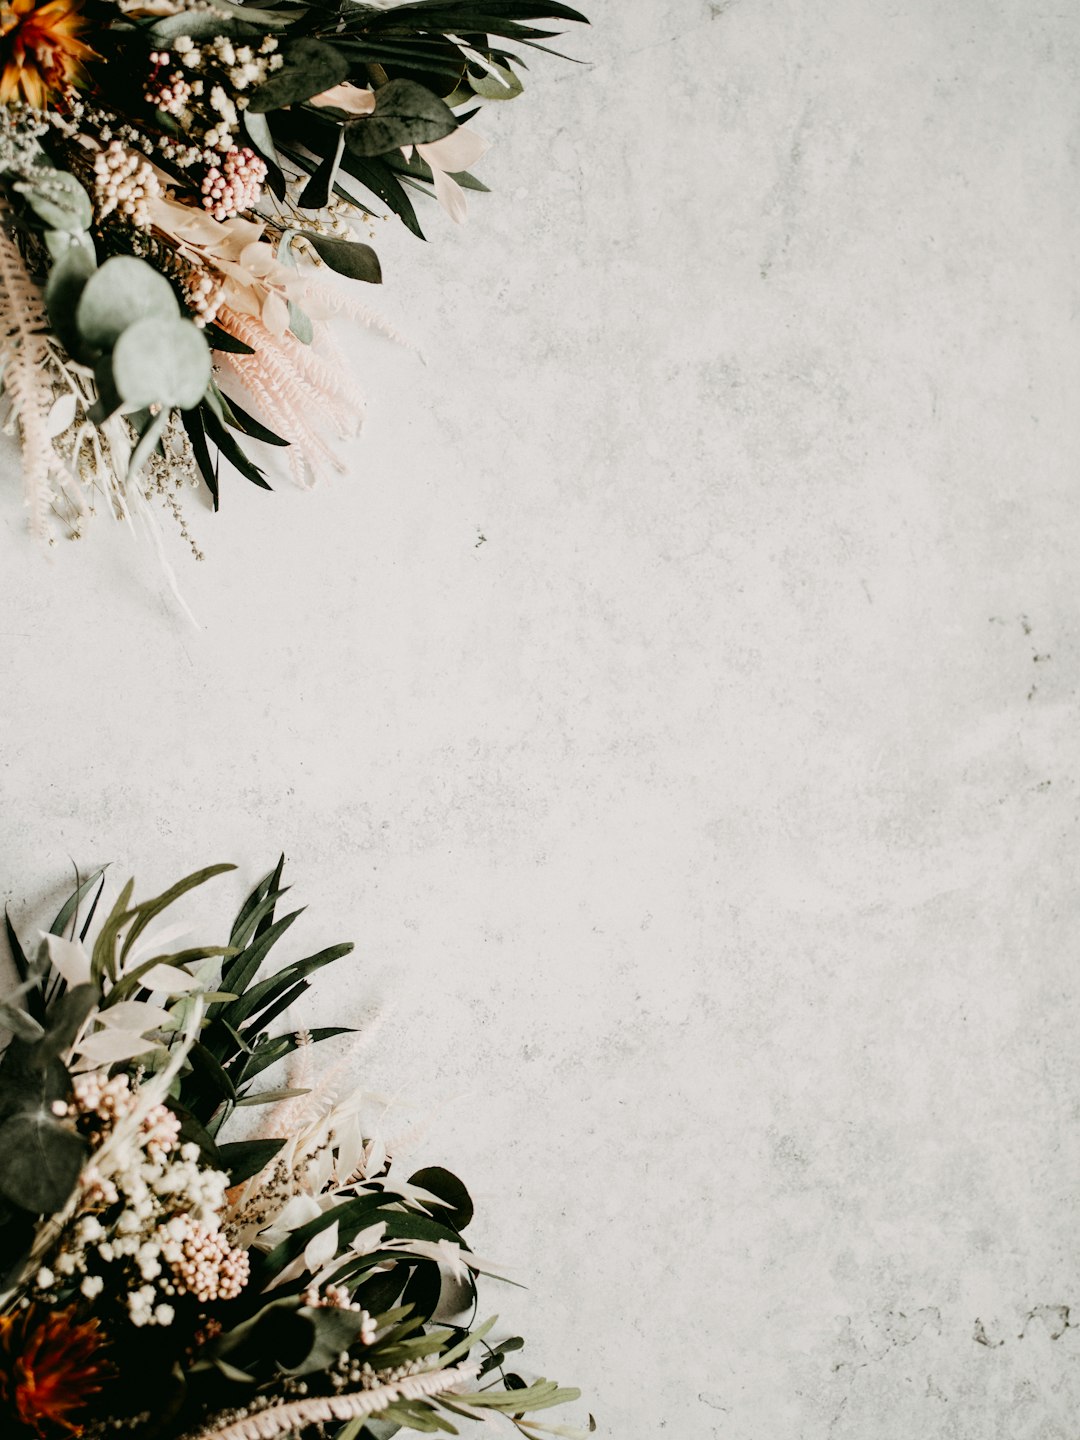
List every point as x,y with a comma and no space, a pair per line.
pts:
202,1261
167,90
235,184
99,1101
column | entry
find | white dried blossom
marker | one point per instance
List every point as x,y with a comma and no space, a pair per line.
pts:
124,182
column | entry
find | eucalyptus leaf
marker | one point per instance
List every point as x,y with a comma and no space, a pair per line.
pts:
331,1331
347,257
164,362
40,1160
300,324
311,66
67,1017
202,25
67,279
405,114
20,1022
57,199
124,291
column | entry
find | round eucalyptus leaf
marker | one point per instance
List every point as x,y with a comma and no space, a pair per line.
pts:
124,291
57,199
67,279
442,1183
40,1160
158,362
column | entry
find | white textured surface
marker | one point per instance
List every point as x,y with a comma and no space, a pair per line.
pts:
709,830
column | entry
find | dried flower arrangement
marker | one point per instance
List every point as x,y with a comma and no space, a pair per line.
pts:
173,173
157,1279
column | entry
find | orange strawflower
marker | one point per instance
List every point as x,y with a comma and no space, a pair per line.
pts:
50,1368
40,50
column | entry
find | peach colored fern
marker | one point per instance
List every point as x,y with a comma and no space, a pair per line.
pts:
296,388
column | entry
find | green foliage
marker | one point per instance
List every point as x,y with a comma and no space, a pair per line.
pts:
268,1338
405,114
40,1156
123,291
164,362
444,1185
57,200
347,257
311,66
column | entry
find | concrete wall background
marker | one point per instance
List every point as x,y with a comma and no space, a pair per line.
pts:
709,830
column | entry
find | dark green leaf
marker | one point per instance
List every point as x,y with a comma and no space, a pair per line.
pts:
22,965
219,436
40,1160
66,1018
236,416
405,114
347,257
263,994
71,904
380,179
207,1068
196,433
423,1290
244,1158
238,974
284,1045
310,67
447,1187
219,339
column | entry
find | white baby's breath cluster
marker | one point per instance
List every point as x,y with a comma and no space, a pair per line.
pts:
151,1229
195,83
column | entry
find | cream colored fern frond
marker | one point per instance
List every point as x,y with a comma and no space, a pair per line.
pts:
292,1416
336,300
24,350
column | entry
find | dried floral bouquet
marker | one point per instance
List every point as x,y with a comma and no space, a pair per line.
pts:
161,1280
173,174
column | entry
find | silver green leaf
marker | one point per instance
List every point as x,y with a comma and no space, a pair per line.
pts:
125,290
161,362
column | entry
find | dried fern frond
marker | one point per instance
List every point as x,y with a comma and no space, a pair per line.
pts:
292,1416
295,388
24,349
336,300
